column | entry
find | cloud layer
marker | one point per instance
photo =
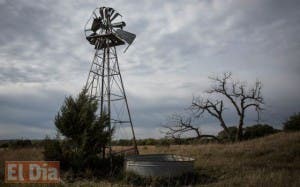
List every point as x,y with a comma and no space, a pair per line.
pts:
45,57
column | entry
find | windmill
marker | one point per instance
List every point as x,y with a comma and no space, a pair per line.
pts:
104,30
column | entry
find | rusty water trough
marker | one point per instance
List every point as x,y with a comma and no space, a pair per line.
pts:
159,165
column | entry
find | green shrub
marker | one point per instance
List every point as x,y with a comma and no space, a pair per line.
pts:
222,135
293,123
164,142
4,145
20,143
82,152
258,130
52,150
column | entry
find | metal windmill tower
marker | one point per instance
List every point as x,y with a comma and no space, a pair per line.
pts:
104,30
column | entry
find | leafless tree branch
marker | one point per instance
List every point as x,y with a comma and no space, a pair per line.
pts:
180,125
215,109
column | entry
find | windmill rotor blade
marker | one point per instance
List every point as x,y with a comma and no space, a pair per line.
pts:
100,28
101,12
126,36
95,15
91,38
119,24
110,12
114,16
96,24
106,13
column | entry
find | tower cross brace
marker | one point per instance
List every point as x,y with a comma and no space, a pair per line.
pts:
105,83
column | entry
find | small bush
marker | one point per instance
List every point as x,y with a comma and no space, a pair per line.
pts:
293,123
86,136
20,144
52,150
164,142
4,145
222,135
258,130
76,164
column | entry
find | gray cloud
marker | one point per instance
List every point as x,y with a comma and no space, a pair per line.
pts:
44,57
33,109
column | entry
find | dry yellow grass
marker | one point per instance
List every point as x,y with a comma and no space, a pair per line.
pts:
268,161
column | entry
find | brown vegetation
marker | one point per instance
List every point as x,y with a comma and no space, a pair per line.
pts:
269,161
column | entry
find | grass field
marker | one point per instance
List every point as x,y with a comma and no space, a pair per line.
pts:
270,161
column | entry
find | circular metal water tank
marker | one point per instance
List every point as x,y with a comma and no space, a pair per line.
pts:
159,165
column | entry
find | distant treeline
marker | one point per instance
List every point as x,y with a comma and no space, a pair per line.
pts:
23,143
250,132
16,143
162,141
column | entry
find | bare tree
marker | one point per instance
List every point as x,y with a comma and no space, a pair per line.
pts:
241,98
180,125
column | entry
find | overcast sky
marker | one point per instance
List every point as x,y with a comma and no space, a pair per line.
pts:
44,57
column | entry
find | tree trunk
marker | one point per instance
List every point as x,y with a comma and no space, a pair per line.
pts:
225,128
239,133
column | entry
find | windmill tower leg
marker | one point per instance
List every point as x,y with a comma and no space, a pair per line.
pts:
106,84
126,101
